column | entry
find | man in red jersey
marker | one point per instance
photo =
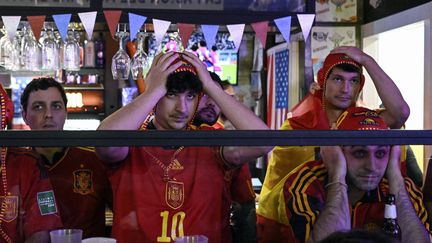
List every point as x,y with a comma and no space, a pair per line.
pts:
29,207
78,176
346,188
161,193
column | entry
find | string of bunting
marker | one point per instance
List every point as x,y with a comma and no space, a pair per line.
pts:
160,26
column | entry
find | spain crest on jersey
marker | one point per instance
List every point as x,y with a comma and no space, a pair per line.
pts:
174,194
83,181
10,204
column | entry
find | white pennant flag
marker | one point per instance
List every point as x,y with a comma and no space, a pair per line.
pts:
236,32
160,29
11,24
88,19
306,21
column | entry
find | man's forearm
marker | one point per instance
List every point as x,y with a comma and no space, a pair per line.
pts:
412,228
336,213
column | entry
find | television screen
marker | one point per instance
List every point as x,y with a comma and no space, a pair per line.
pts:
220,58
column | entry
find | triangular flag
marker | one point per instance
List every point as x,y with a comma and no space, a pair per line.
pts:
36,24
236,32
284,26
260,29
306,21
135,23
88,20
112,17
210,32
185,31
11,24
160,29
62,22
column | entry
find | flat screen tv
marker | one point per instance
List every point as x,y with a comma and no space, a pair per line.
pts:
221,57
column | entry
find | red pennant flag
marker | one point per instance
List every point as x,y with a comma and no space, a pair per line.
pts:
112,17
260,29
185,31
36,24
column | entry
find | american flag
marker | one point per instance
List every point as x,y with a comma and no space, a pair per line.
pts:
277,85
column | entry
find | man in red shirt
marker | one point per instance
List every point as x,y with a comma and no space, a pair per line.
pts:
29,207
161,193
78,176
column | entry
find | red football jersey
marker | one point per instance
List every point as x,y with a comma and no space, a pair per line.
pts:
30,204
82,188
149,209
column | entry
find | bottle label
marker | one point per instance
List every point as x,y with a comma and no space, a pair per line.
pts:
390,212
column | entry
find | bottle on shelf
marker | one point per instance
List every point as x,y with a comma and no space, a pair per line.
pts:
390,225
99,46
89,53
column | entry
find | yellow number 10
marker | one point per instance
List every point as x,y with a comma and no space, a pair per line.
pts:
176,225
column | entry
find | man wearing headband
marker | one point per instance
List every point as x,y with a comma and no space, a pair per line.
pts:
161,193
78,177
28,206
346,189
340,82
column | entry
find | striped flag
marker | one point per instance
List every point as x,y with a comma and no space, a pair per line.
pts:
277,85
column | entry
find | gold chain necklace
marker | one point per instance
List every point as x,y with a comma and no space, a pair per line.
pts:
174,163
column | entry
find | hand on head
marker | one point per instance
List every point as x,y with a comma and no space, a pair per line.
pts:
393,166
201,68
353,52
335,162
161,67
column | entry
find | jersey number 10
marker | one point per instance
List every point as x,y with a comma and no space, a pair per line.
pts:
176,226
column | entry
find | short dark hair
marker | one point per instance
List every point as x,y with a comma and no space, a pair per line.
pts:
216,78
347,68
180,82
41,84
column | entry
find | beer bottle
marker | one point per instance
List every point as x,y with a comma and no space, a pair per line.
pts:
390,226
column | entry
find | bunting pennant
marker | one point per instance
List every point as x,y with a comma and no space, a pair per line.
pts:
260,29
88,20
306,21
62,22
236,32
284,26
11,24
135,23
185,31
210,32
160,29
36,24
112,17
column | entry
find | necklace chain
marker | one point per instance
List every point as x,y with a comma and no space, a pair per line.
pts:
166,168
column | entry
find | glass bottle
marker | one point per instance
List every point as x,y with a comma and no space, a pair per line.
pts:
89,53
71,53
390,225
140,63
99,46
50,52
120,66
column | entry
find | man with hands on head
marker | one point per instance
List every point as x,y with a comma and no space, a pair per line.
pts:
346,189
161,193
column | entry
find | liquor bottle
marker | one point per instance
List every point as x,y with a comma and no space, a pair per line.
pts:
89,53
390,226
100,51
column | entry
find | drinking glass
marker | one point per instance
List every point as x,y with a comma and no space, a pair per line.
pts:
31,51
120,66
71,53
140,64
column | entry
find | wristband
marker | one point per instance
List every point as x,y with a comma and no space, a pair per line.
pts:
336,182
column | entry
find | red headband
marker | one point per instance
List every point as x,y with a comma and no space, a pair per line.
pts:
185,66
360,118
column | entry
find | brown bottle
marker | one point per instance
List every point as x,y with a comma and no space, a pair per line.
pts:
390,225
